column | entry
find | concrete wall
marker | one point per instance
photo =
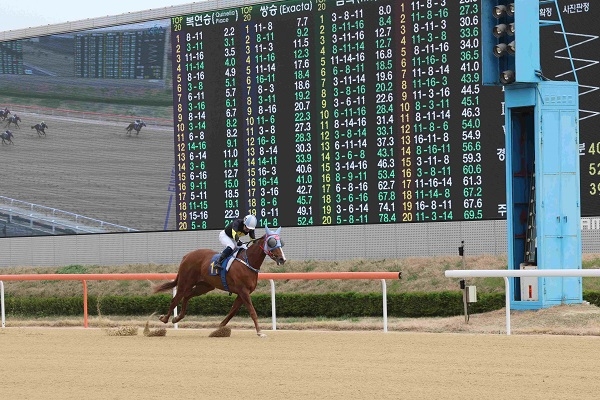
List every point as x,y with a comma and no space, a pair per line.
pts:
317,243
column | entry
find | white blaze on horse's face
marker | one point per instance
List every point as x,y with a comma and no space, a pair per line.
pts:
273,246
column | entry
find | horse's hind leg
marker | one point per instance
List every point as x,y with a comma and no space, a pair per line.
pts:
181,314
198,290
176,299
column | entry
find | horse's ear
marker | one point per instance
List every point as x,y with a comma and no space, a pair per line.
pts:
268,230
278,230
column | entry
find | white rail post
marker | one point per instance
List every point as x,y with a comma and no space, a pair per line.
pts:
175,309
2,303
507,303
384,290
273,308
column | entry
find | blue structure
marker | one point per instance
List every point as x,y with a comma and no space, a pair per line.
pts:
542,154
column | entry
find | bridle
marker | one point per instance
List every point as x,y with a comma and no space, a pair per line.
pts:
272,242
275,243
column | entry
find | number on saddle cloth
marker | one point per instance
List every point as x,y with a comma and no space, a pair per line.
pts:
215,269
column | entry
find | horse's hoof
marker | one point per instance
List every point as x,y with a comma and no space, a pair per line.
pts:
163,319
262,335
176,320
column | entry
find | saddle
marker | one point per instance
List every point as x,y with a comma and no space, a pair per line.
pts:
216,269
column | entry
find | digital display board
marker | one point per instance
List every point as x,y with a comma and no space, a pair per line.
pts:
11,58
137,54
334,112
329,112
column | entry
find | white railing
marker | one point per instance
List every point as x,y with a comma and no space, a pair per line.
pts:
519,273
88,115
271,276
2,304
54,217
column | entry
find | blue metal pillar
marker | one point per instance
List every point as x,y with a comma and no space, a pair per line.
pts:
542,183
542,153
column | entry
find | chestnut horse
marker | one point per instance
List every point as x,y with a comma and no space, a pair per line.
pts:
194,279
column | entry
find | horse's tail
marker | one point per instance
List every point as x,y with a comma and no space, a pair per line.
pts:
165,286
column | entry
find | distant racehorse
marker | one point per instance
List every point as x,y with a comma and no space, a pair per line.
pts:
40,128
14,119
7,137
135,126
4,114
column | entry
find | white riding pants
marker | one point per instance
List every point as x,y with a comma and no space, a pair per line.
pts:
226,241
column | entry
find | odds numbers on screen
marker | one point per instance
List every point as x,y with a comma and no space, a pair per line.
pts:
333,112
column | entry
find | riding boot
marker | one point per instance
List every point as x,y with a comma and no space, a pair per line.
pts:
226,253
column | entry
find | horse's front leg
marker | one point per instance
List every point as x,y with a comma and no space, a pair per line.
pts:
250,307
237,303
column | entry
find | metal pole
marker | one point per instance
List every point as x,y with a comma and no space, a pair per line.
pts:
463,286
507,301
175,309
85,306
2,303
273,308
384,290
463,283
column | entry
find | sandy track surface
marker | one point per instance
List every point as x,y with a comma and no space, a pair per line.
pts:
92,168
54,363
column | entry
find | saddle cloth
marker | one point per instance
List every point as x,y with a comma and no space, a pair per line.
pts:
214,270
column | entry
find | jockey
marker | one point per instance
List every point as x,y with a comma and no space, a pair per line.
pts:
230,236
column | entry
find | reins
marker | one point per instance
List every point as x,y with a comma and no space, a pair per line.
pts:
246,263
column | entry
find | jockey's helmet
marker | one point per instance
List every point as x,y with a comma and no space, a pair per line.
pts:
250,221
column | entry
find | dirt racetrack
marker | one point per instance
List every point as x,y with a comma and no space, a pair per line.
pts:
77,363
92,168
